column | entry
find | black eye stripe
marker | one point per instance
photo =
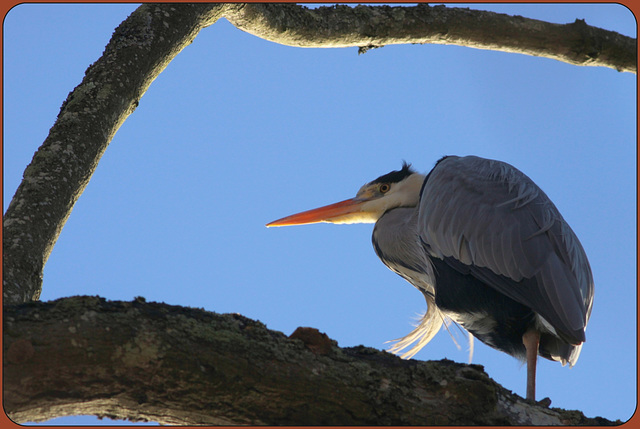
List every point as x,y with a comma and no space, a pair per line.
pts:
396,176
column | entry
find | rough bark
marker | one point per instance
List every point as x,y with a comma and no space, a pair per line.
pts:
141,47
374,26
176,365
153,35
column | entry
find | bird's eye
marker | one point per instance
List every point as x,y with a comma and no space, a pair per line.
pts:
384,188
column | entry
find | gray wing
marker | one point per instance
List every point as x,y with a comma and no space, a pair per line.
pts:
492,218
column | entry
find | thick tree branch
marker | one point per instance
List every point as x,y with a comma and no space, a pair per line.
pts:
141,47
372,26
176,365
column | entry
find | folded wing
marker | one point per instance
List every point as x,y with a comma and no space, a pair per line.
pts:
503,229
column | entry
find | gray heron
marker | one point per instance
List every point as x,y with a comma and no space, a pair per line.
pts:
486,247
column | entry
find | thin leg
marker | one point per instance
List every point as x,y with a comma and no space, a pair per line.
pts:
531,340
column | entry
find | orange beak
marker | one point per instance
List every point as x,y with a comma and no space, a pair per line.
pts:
331,213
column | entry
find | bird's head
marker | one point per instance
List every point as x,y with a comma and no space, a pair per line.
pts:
400,188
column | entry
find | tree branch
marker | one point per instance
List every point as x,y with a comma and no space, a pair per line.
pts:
374,26
176,365
141,47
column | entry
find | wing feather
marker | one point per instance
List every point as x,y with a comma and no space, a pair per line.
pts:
496,222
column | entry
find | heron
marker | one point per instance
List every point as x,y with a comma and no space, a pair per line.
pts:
487,248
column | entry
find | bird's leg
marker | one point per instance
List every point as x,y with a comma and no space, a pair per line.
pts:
531,340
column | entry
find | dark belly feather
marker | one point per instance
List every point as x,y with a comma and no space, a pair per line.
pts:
490,316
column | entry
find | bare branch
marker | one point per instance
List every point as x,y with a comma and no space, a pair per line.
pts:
176,365
374,26
141,47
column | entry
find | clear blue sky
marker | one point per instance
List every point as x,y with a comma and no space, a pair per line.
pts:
238,131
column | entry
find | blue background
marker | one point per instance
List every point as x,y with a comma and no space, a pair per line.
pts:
238,131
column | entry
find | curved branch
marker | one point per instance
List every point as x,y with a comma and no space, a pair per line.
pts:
141,47
373,26
175,365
